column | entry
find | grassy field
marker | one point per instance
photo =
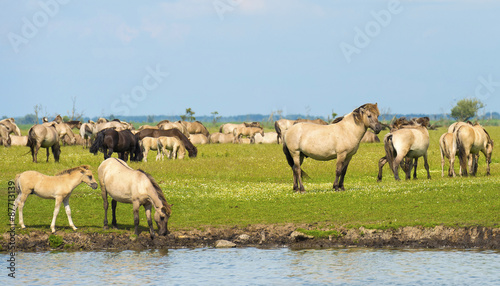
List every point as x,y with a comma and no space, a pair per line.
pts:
238,185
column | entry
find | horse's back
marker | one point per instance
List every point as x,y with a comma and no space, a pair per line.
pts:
316,141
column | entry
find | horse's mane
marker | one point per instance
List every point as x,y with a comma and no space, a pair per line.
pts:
72,170
159,192
368,106
337,120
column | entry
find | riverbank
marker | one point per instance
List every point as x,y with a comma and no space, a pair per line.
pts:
263,236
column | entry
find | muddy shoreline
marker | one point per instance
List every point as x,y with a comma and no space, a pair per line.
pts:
264,236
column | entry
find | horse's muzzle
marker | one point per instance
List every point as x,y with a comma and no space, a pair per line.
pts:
377,128
93,186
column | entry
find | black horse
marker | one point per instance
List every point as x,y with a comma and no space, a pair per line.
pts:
123,142
155,133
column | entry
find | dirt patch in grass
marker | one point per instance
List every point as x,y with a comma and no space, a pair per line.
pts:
266,236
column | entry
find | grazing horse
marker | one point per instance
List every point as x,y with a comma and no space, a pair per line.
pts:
64,130
193,151
410,142
5,136
195,128
327,142
58,188
126,185
238,132
173,144
472,140
10,124
44,135
123,142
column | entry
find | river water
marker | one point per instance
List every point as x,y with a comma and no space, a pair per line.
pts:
253,266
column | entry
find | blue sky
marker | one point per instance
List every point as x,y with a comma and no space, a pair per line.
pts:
247,56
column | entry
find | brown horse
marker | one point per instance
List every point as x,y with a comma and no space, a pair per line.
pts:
326,142
46,136
472,140
126,185
193,151
58,188
123,142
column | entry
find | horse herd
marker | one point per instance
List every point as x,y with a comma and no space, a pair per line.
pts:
407,141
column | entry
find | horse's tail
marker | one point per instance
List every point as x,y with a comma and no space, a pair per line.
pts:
390,152
98,142
278,131
31,138
220,129
289,159
461,152
17,184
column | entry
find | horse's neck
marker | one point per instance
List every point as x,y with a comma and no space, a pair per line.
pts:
155,199
358,129
72,179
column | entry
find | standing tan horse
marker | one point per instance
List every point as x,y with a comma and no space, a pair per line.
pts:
58,188
448,149
126,185
238,132
326,142
407,142
86,132
46,136
472,140
149,143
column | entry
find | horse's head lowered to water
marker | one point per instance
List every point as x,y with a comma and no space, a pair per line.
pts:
368,114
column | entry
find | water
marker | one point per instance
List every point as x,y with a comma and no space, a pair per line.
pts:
252,266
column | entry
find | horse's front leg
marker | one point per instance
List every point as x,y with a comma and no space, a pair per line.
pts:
150,221
381,164
48,154
68,212
105,206
135,206
56,212
113,213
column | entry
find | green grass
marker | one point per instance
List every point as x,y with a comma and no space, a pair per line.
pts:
239,185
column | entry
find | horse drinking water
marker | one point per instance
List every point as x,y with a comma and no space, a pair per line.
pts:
136,187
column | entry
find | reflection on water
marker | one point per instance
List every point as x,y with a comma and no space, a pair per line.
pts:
258,266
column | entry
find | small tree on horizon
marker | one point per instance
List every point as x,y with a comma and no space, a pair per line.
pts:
215,117
466,109
189,115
